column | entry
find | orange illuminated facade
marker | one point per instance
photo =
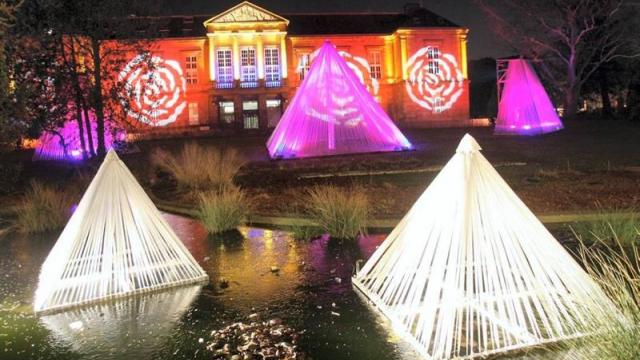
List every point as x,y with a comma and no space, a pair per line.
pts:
238,69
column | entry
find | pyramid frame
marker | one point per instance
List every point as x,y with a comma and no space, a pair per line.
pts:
116,244
332,113
524,107
524,288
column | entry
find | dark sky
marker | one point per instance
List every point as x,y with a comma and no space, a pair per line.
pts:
482,42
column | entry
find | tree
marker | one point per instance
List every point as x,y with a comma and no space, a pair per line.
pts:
8,132
572,38
90,26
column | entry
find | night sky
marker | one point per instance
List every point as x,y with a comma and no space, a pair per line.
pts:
482,42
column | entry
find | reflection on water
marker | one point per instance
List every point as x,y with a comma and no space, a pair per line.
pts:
311,291
122,328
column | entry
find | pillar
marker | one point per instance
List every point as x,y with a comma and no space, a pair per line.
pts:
260,56
236,57
283,56
212,58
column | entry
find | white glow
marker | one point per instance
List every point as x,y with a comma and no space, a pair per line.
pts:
435,92
157,94
115,244
470,271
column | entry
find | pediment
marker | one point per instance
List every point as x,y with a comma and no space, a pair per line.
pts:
245,12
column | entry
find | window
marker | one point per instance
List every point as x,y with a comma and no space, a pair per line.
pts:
227,112
274,112
304,61
250,114
193,114
433,66
248,72
271,66
191,66
224,66
375,64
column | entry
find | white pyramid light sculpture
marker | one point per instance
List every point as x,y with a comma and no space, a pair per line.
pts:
115,244
470,271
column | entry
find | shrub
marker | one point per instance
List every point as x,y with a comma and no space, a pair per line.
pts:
342,212
223,210
198,167
617,270
43,208
624,226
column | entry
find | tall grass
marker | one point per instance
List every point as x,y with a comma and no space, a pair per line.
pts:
222,210
616,268
611,226
43,208
198,167
342,212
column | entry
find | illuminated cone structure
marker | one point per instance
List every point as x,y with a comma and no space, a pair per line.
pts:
470,271
66,145
115,244
525,108
333,113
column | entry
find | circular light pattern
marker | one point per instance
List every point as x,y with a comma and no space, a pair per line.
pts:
156,88
434,90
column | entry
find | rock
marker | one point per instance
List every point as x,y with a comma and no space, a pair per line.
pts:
275,269
224,283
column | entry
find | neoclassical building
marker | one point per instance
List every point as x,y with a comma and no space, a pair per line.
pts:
238,69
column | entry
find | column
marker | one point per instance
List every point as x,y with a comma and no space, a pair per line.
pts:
388,58
260,56
463,54
403,56
283,55
236,57
212,58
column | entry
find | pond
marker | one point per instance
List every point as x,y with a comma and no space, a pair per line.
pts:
310,292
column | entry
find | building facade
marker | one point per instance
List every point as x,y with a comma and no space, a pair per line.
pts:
238,70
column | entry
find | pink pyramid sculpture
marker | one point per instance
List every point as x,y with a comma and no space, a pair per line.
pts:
333,113
64,143
525,108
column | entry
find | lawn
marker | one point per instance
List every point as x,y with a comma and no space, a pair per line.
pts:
587,166
590,165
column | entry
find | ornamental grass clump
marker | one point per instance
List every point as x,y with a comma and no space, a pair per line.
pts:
223,210
611,226
341,212
616,268
43,208
200,168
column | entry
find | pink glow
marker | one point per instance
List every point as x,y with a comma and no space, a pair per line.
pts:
49,146
333,113
525,108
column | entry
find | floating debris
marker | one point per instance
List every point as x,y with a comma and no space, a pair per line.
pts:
257,340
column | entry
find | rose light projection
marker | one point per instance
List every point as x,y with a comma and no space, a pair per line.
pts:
155,88
471,272
525,107
435,81
65,143
333,113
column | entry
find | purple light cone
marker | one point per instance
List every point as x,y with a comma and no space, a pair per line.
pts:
333,113
525,108
50,146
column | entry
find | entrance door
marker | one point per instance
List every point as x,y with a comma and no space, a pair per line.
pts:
250,114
